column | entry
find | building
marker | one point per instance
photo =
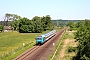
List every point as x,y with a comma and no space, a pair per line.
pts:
7,29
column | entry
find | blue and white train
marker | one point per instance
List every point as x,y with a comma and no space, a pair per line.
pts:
45,37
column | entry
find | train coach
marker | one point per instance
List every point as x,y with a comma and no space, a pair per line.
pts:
45,37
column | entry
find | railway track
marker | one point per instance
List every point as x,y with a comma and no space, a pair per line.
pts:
37,52
28,52
46,47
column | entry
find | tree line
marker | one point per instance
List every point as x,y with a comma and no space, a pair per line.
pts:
36,25
83,37
24,25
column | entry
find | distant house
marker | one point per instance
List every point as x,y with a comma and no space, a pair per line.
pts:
7,29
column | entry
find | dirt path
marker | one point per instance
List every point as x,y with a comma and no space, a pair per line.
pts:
67,42
62,52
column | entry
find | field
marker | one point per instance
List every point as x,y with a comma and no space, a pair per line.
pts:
14,43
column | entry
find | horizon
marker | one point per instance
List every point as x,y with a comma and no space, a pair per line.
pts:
56,19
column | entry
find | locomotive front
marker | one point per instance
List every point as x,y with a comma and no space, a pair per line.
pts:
40,39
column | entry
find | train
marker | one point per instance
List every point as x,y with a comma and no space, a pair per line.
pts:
45,37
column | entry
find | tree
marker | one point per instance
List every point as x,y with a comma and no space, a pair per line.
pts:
31,26
37,24
23,25
83,37
1,28
24,29
62,24
79,24
11,17
7,17
71,25
47,23
15,19
44,23
15,24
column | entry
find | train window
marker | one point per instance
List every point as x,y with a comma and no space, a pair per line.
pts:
39,38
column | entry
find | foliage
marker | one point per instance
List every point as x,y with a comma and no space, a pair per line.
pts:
36,25
62,23
10,17
43,21
47,23
83,37
71,49
23,25
79,24
15,24
1,28
72,26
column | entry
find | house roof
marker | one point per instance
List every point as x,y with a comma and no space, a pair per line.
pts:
7,28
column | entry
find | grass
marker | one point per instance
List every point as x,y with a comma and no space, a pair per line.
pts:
13,44
66,35
70,51
57,53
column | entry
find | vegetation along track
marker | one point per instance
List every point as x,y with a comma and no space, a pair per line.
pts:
37,52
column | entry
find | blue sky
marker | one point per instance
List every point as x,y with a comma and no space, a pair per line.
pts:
57,9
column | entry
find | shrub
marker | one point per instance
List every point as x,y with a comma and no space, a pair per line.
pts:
1,28
71,49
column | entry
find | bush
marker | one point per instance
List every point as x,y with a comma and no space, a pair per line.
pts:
71,49
24,29
1,28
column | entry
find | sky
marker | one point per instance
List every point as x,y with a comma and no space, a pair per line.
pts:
57,9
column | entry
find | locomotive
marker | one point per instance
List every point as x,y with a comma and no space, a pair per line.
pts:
45,37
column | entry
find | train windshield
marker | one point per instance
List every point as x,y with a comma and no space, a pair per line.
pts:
39,38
